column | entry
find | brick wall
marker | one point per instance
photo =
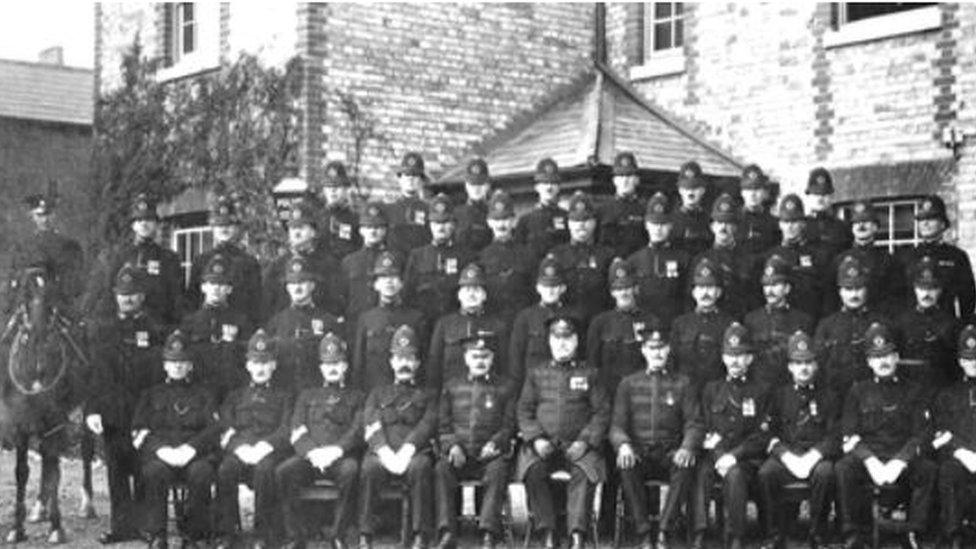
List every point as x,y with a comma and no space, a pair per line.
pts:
963,184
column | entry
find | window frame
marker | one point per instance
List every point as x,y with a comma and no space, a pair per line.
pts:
914,20
187,257
179,26
662,62
205,55
886,234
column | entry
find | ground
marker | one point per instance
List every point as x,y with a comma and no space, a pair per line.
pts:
83,533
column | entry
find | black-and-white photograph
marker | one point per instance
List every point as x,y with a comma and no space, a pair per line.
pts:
650,275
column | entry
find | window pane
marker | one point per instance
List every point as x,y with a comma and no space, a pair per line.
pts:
679,32
662,10
857,11
904,221
207,240
188,39
662,36
679,8
187,12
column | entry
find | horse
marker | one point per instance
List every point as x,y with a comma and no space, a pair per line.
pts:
40,383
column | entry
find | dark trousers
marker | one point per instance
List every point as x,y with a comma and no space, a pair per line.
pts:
735,494
419,479
158,477
261,478
122,473
955,500
297,473
773,476
494,478
854,487
579,494
654,465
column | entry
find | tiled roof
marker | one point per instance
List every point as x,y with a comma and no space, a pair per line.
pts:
602,116
52,93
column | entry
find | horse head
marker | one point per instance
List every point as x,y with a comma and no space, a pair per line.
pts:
36,359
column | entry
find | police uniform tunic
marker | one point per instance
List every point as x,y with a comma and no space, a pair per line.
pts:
245,276
691,231
218,336
163,278
840,347
771,328
809,278
177,413
891,418
736,410
759,230
371,345
530,338
473,233
256,412
329,288
408,224
662,271
954,270
886,283
697,342
622,224
509,277
656,413
829,234
802,418
741,292
954,411
474,412
398,414
562,402
357,270
543,229
431,278
298,331
585,269
928,341
445,360
613,343
332,416
341,231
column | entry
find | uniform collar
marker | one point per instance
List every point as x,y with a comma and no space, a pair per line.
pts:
706,312
664,245
740,380
215,306
487,378
571,363
185,382
260,386
134,316
395,302
340,385
412,382
443,244
480,311
808,388
777,309
891,380
928,311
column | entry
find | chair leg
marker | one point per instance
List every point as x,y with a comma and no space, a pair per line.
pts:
618,522
595,519
406,516
875,519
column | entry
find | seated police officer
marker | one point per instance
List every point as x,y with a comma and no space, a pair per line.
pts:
884,425
805,430
327,433
656,431
563,413
477,422
255,439
400,419
175,427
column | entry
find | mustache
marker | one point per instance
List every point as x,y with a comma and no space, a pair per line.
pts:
404,370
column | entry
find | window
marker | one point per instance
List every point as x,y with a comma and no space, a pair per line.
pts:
663,37
896,222
190,243
853,22
184,31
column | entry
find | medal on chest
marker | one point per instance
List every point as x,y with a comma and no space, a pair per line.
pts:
152,267
671,269
558,223
228,332
748,407
806,261
142,339
450,265
813,408
419,217
318,326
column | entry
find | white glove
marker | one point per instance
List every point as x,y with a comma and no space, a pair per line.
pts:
711,441
261,450
225,438
138,437
876,470
94,423
388,459
245,453
168,455
794,464
724,463
298,433
894,468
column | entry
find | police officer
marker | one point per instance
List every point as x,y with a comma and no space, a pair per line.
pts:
245,272
357,267
216,333
954,418
340,224
809,262
697,335
254,421
622,217
60,255
741,293
886,280
955,271
691,232
759,228
805,430
303,242
772,324
476,424
529,340
927,333
545,226
445,359
374,330
656,432
840,337
408,214
473,233
175,430
125,353
583,262
661,268
736,436
299,328
509,266
432,270
826,233
400,419
327,434
563,414
613,340
884,425
164,276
